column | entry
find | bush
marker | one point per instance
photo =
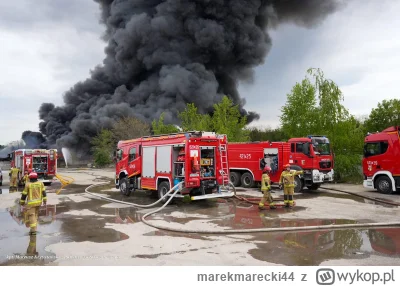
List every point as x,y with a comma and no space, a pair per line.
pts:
102,158
347,169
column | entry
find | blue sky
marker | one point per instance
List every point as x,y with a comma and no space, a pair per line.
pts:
47,48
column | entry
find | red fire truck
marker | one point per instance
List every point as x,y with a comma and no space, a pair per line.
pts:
42,161
198,159
381,162
311,154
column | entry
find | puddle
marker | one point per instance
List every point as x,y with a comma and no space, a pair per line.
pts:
56,225
312,248
68,221
85,220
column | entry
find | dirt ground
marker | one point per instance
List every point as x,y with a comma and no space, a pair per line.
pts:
78,229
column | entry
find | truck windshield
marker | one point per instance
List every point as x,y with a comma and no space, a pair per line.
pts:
118,154
375,148
322,148
321,145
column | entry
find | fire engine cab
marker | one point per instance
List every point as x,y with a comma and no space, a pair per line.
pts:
381,161
160,162
42,161
311,154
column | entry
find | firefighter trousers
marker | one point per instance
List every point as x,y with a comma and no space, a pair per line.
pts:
288,193
14,182
267,197
32,214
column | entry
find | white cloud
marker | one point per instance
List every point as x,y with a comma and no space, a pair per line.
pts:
39,63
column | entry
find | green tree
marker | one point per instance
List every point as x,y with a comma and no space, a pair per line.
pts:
386,114
192,120
267,134
227,120
129,128
159,127
325,114
300,111
102,146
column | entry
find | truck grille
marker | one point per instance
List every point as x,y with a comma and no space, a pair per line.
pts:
325,164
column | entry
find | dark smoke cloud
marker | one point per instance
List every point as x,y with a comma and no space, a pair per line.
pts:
34,140
161,55
29,140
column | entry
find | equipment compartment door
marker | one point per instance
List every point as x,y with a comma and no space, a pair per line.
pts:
149,162
164,157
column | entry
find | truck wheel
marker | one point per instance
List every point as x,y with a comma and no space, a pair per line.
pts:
124,186
247,180
163,188
313,187
298,185
235,178
384,185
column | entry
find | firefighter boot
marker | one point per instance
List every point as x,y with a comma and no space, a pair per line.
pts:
286,200
291,202
261,206
272,206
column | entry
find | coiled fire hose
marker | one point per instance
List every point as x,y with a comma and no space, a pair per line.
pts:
174,190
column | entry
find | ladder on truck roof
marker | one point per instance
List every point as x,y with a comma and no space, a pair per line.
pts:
224,164
194,132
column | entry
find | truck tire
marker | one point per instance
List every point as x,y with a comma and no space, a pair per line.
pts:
384,185
298,185
314,187
124,186
163,188
247,180
235,178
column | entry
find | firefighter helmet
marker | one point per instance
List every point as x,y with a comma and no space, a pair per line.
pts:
266,169
287,166
33,175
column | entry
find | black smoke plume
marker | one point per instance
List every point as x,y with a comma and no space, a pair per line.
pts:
29,140
161,55
34,140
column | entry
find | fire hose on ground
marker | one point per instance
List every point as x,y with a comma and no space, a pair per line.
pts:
174,190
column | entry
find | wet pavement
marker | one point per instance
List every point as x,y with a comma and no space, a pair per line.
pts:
77,229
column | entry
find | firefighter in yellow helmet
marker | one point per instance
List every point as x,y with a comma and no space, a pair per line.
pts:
34,195
25,179
266,189
287,178
14,172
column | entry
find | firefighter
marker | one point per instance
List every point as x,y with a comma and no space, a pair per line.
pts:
14,172
25,179
287,178
265,188
36,195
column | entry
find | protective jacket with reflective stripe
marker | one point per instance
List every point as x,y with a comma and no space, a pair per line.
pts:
14,172
265,182
287,177
35,193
